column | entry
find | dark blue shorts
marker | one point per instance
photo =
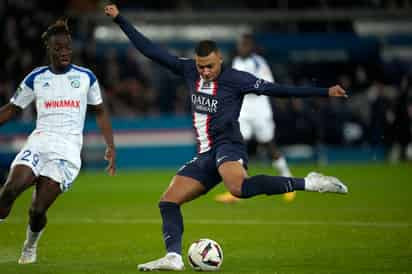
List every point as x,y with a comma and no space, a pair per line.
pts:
203,167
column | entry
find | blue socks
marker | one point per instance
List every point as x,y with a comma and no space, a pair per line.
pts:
260,184
172,226
270,185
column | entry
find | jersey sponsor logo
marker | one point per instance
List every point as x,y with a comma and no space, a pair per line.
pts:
62,104
75,83
204,103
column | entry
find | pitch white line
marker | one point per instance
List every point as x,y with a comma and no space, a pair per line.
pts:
223,222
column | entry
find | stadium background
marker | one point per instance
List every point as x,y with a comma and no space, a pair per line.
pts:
365,45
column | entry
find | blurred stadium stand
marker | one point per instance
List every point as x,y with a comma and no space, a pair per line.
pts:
364,45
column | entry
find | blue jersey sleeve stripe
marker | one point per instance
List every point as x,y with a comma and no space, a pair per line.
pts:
29,81
89,73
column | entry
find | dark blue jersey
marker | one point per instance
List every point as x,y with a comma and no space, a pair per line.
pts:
215,104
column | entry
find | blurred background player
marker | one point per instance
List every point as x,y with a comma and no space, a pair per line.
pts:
256,119
50,159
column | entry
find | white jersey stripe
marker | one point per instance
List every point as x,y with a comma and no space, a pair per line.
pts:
201,122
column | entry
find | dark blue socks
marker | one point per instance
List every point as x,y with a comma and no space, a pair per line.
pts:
269,185
172,226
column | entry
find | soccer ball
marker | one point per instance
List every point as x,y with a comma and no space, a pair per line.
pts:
205,255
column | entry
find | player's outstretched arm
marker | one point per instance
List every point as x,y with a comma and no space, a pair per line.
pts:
251,84
337,91
103,121
143,44
7,112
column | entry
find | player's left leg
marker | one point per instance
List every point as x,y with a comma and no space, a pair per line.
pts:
236,181
21,177
265,135
279,163
46,192
247,129
3,176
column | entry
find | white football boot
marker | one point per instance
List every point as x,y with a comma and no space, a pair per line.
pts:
321,183
28,255
172,261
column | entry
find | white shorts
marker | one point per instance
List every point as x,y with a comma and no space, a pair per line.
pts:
48,164
261,128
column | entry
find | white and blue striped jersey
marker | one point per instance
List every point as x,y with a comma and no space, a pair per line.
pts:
61,99
61,103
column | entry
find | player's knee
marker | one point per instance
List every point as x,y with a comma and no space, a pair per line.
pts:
169,199
37,212
9,194
234,184
235,189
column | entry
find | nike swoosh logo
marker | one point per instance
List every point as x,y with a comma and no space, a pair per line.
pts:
221,159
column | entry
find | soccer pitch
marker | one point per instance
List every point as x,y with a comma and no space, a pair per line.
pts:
110,224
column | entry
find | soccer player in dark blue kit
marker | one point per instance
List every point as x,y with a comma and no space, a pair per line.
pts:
216,95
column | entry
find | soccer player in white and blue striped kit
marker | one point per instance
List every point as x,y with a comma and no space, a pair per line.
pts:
216,94
50,159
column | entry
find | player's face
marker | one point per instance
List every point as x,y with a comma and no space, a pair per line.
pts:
60,50
245,47
209,66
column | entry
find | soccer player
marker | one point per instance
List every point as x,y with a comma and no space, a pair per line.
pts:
50,159
216,94
255,119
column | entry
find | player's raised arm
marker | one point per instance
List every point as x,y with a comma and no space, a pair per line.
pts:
143,44
251,84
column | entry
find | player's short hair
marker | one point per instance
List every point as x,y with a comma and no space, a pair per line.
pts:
205,47
58,27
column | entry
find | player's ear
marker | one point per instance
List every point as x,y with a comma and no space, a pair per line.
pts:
219,54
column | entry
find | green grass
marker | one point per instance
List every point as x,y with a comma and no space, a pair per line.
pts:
109,224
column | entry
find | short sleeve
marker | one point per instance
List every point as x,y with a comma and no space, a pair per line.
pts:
23,96
94,96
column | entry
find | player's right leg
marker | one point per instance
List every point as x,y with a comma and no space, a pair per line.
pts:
182,189
44,196
20,178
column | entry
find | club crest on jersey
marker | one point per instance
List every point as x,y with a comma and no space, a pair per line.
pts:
204,103
46,85
75,83
206,85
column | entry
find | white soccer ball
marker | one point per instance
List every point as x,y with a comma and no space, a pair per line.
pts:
205,255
